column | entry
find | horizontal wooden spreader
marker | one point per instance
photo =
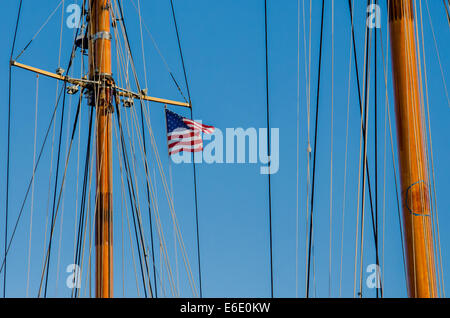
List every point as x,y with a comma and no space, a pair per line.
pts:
85,82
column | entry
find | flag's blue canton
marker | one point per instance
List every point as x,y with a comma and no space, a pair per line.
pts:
174,121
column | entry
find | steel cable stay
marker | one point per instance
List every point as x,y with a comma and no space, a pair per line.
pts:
365,145
447,11
269,186
145,154
363,128
314,156
39,30
308,111
378,293
345,167
193,159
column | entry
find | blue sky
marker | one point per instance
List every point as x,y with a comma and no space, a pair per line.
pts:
223,46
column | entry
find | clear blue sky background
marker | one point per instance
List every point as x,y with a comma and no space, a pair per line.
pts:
223,43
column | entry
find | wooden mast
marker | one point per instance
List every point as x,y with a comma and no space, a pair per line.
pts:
100,70
418,234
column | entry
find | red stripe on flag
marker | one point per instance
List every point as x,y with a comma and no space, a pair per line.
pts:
194,149
186,143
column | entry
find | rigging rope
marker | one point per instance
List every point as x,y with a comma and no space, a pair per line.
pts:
345,165
385,59
193,160
298,151
447,11
315,151
268,145
331,148
47,265
53,220
8,149
162,56
376,148
132,197
136,209
350,5
61,190
145,161
308,119
439,257
39,31
365,142
128,221
83,199
30,183
32,187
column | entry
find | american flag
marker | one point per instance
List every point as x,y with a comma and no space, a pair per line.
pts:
184,134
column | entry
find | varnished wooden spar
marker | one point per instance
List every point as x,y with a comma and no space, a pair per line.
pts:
85,83
100,70
413,165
